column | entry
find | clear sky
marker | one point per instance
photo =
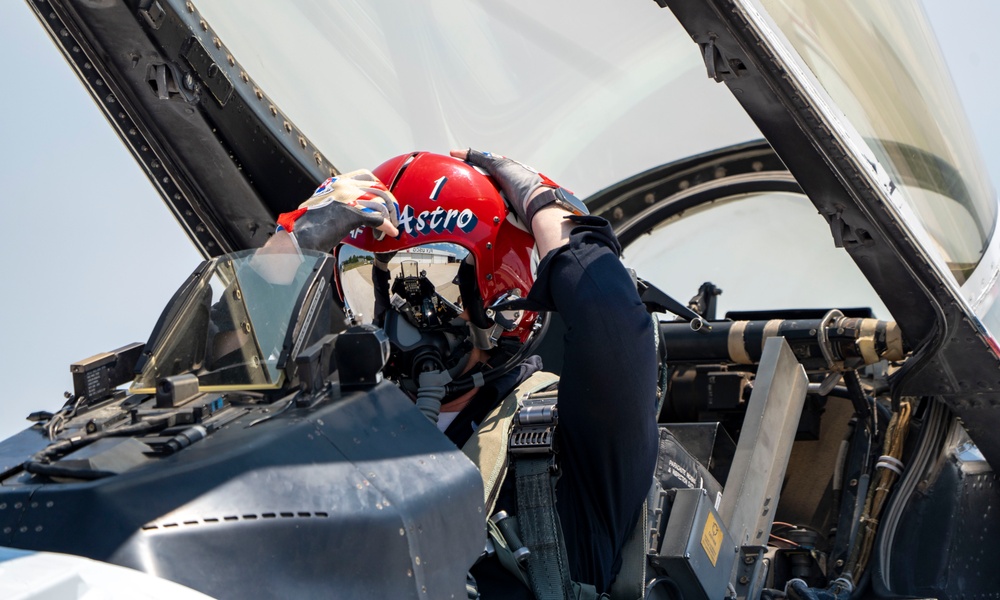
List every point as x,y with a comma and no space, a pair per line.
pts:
90,252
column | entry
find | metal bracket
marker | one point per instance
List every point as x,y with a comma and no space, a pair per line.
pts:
656,300
720,66
166,81
829,321
751,572
153,13
758,469
210,74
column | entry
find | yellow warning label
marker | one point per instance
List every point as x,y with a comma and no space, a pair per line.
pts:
711,538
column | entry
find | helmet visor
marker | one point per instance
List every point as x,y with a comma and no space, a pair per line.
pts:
420,282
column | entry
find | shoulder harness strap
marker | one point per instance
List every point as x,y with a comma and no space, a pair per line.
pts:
522,430
532,449
487,448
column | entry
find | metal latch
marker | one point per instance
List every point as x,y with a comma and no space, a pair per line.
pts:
535,425
153,13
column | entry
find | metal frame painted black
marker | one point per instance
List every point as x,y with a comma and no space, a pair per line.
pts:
953,360
226,164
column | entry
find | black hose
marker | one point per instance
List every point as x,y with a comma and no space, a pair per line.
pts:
466,383
674,591
926,351
66,446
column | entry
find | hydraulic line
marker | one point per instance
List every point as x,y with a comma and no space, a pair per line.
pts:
888,470
932,435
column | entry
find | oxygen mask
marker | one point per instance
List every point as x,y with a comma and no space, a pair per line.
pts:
414,296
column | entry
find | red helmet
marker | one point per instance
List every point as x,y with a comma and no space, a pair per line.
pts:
445,200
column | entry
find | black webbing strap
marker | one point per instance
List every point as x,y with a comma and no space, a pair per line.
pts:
548,565
532,451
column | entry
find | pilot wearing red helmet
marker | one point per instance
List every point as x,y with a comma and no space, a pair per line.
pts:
462,352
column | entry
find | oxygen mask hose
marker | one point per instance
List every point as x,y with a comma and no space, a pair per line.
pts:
431,392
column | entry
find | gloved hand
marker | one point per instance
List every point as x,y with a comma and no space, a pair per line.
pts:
340,205
524,187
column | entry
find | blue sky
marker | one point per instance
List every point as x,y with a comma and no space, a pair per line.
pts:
90,252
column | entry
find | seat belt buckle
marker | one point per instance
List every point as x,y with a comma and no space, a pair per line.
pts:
534,426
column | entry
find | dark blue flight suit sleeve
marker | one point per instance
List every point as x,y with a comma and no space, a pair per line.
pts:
607,397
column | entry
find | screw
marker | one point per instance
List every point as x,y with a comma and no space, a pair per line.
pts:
744,580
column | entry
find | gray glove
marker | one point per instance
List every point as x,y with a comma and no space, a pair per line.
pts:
518,181
340,205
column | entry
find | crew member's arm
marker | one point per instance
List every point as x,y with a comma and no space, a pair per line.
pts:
339,205
607,392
